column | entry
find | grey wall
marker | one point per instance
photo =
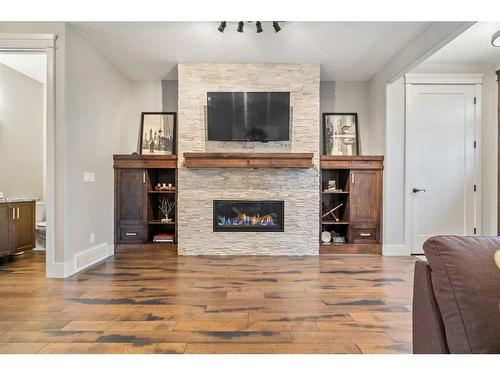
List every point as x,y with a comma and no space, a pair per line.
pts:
170,95
98,103
347,96
21,135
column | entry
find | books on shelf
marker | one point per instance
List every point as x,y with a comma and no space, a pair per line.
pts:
164,237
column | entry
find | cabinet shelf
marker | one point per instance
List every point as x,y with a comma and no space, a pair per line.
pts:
335,192
333,222
161,192
158,222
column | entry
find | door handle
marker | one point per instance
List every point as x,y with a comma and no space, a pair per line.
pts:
13,213
143,177
352,177
365,235
17,212
131,234
416,190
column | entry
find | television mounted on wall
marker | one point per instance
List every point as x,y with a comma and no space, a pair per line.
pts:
248,116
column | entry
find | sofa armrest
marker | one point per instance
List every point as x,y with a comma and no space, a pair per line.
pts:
428,328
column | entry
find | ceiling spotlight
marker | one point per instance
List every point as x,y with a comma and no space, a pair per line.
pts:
259,27
222,26
240,26
495,39
276,26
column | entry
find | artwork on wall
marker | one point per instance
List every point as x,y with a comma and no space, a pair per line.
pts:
340,134
158,133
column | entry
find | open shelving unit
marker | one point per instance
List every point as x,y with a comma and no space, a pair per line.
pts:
137,213
358,220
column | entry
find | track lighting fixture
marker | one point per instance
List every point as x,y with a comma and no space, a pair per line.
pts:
258,25
222,26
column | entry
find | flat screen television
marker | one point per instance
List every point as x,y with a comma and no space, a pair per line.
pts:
248,116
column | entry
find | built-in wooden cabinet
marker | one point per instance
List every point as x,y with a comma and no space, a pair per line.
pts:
17,227
137,213
359,193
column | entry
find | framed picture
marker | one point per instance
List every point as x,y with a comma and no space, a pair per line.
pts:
158,133
340,134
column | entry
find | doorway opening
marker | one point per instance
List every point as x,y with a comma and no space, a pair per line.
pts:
27,123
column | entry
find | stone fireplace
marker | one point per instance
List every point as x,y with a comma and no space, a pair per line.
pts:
248,216
296,189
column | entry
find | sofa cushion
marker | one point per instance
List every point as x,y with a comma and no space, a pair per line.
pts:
467,287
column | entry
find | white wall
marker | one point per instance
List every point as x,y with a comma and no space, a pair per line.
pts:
21,135
98,121
347,96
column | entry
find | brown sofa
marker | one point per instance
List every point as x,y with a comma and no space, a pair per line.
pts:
456,296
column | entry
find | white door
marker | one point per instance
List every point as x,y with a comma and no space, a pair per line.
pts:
440,161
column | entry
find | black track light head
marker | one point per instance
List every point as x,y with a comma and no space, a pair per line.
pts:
258,25
240,26
222,26
276,26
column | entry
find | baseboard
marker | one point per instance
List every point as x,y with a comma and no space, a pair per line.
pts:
395,250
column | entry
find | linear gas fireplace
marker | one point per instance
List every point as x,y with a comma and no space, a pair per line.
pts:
248,216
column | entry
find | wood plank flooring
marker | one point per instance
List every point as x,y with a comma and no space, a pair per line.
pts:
155,302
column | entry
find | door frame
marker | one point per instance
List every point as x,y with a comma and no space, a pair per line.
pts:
473,79
42,43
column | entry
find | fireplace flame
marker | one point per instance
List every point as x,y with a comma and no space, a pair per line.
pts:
246,220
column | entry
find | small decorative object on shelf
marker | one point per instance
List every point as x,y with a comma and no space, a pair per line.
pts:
166,208
164,187
338,239
326,237
331,211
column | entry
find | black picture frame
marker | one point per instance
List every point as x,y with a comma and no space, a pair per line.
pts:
173,142
328,137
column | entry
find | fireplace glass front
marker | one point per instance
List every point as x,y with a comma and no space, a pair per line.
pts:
248,216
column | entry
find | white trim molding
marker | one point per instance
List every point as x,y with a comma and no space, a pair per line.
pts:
444,78
395,250
45,43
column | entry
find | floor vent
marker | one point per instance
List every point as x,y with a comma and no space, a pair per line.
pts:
93,255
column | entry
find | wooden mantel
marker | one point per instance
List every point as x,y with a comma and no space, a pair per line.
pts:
145,161
248,160
352,162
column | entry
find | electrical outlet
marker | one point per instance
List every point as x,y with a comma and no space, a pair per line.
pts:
92,238
89,177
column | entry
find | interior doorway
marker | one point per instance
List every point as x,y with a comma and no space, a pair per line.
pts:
442,140
32,56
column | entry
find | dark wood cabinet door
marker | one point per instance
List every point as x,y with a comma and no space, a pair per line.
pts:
130,204
23,227
365,193
5,217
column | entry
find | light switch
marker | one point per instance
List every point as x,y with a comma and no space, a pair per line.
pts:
89,177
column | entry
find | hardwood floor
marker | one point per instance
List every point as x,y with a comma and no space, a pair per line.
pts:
158,303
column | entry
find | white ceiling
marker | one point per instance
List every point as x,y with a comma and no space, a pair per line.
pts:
473,46
33,65
345,50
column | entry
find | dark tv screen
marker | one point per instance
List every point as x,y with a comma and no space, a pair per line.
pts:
248,116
